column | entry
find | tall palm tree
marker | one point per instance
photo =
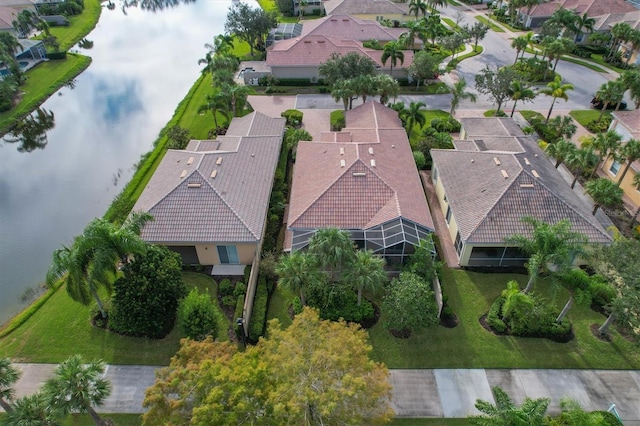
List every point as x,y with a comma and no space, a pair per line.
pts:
217,104
433,28
604,193
332,249
417,7
547,244
607,144
629,152
520,91
581,160
77,387
8,43
520,44
413,116
583,22
620,33
610,93
531,412
366,272
415,29
31,410
392,51
434,4
459,93
343,90
631,80
237,96
556,89
8,376
387,87
560,150
634,39
297,272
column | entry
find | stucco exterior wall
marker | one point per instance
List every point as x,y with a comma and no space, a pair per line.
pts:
295,72
208,253
627,184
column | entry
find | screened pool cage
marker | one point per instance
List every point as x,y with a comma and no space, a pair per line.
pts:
284,32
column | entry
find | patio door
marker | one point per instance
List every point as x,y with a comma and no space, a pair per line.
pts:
228,255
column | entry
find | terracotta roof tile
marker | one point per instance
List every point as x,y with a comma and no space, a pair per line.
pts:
370,7
351,28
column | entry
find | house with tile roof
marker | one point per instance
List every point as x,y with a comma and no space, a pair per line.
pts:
347,27
362,179
301,57
539,13
7,16
210,200
374,10
627,125
495,176
604,23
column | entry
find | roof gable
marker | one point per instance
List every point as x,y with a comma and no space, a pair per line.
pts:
354,7
351,27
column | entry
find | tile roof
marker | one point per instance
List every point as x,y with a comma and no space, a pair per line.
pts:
7,16
365,180
369,7
313,50
498,188
607,21
215,191
590,7
351,28
630,120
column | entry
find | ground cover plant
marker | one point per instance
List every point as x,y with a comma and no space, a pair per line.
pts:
61,327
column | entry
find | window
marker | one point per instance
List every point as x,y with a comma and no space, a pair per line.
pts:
228,255
458,244
448,215
615,168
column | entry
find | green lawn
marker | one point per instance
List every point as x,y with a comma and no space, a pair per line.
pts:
79,26
490,23
584,63
279,306
61,328
42,82
117,419
598,59
430,114
585,116
469,345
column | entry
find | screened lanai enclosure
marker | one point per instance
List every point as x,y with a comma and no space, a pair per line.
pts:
284,32
394,240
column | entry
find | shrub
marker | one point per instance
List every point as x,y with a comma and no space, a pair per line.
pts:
240,289
198,317
247,273
229,300
337,120
297,305
57,56
409,304
446,125
239,307
602,294
293,116
225,288
595,126
259,314
337,300
493,317
146,298
421,162
582,52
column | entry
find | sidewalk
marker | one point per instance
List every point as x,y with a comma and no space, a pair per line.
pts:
418,393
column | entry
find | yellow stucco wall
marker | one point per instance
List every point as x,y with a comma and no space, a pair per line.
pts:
208,253
453,225
627,184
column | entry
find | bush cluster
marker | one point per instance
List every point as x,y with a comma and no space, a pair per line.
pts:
259,313
446,125
66,8
337,120
581,51
198,316
493,316
595,126
337,300
293,116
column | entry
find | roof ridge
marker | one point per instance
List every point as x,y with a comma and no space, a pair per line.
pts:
226,203
173,189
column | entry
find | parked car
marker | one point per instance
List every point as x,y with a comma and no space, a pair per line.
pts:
537,38
597,104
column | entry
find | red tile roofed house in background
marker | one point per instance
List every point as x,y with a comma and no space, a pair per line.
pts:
491,180
374,10
627,125
593,8
348,27
301,57
362,179
210,200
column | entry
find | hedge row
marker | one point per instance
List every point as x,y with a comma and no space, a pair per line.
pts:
337,120
259,315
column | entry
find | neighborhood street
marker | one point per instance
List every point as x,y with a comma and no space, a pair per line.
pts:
418,393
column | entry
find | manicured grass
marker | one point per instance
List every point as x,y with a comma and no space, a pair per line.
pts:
79,26
529,115
598,59
469,345
43,81
490,23
61,328
454,62
585,116
584,63
416,131
451,23
117,419
279,306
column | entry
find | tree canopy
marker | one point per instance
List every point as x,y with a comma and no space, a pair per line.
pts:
249,24
314,372
346,67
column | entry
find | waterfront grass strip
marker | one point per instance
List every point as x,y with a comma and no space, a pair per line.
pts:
43,81
79,25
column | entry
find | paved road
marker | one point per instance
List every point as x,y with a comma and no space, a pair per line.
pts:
418,393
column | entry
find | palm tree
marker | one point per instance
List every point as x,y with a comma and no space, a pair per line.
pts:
415,29
237,96
8,44
8,376
297,272
607,144
77,387
610,93
631,80
459,93
343,90
417,7
387,87
433,28
634,39
577,282
217,104
520,45
505,413
520,91
332,249
620,33
556,89
581,160
583,22
392,51
366,272
31,410
435,3
548,244
560,150
413,116
91,262
604,193
629,152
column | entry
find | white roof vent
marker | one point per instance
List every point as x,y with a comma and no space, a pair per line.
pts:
504,173
194,185
373,162
341,151
214,174
371,150
190,161
183,174
533,172
219,161
359,174
495,160
526,161
343,163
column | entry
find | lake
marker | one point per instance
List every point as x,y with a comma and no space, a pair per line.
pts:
144,63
